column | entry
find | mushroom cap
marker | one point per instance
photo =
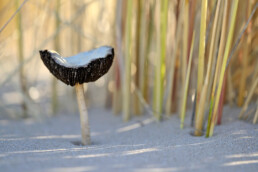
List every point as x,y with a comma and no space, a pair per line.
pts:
81,68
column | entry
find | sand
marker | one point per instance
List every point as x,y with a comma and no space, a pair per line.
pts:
139,145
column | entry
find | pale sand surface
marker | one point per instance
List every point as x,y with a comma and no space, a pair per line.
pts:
139,145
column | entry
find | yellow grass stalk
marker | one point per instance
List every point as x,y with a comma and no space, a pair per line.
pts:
218,63
128,55
144,45
203,97
201,52
213,51
186,85
201,57
185,42
223,68
160,66
201,47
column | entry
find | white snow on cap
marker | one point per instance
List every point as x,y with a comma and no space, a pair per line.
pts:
82,59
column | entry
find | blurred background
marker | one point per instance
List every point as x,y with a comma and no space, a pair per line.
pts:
152,40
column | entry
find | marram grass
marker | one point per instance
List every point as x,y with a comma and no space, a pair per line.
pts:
186,85
223,68
128,56
201,65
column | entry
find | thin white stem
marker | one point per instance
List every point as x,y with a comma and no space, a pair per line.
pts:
85,129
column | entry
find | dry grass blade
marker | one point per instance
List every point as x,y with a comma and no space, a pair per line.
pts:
127,77
223,68
218,64
202,45
171,72
204,95
186,85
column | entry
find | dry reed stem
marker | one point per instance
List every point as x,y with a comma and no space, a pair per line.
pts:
22,78
185,43
143,45
201,68
247,40
128,49
218,63
186,85
172,69
137,105
223,67
162,11
54,100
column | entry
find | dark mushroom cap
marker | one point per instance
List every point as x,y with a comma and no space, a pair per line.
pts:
81,68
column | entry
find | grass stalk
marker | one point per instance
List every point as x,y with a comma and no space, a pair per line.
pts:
230,90
185,42
116,98
22,79
150,26
144,34
172,70
201,65
201,47
116,105
128,55
160,66
221,100
54,99
245,59
186,85
137,104
218,64
224,63
211,57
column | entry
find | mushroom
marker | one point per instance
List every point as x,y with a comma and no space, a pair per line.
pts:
78,69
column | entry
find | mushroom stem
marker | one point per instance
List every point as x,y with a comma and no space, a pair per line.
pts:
85,130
